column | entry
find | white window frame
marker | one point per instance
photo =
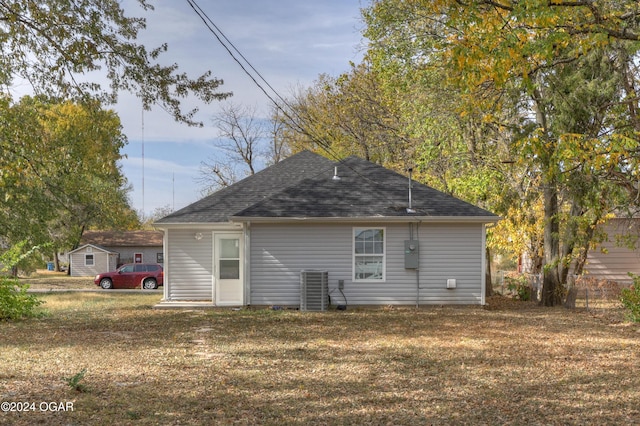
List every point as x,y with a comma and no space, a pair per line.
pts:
354,232
93,260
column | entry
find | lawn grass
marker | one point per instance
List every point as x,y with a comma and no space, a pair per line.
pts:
49,280
507,363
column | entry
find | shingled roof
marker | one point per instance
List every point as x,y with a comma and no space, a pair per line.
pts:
221,205
303,187
139,238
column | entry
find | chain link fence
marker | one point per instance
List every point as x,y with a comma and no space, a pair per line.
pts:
581,291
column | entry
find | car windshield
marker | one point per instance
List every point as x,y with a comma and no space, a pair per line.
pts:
127,268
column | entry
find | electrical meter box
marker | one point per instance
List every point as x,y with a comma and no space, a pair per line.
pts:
411,254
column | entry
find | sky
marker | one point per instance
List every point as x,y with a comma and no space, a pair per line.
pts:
290,42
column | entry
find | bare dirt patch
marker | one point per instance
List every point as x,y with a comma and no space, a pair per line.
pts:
508,363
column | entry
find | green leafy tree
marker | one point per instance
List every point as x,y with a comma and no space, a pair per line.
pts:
58,160
60,173
55,45
351,114
557,79
15,302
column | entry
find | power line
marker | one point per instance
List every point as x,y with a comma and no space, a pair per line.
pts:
142,136
215,30
230,48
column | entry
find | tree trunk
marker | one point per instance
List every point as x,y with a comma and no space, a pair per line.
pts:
572,295
488,289
551,290
56,261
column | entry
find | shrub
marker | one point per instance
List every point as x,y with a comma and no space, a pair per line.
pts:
15,302
74,381
519,285
630,298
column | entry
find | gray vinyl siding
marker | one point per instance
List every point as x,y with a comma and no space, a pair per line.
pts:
279,252
189,265
103,262
149,254
612,260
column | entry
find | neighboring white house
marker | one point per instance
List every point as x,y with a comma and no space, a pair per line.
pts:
140,246
310,229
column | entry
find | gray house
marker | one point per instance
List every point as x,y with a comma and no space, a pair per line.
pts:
137,246
104,251
308,230
90,259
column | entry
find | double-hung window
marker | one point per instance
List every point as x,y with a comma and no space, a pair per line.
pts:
88,260
369,254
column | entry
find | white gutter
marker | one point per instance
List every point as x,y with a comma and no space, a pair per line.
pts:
431,219
198,225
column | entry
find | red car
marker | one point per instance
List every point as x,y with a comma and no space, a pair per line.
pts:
132,275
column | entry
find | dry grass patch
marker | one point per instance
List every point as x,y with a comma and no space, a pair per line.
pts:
513,363
49,280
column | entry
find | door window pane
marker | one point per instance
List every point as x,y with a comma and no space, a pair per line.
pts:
229,269
230,248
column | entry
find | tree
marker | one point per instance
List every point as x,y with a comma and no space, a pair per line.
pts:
243,136
15,302
60,172
563,75
352,114
279,149
157,214
54,44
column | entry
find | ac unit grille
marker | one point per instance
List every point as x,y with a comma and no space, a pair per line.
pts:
314,287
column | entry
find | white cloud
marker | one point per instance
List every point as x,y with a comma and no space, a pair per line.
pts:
157,165
290,42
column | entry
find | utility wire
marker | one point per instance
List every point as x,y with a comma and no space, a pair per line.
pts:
298,121
230,48
219,35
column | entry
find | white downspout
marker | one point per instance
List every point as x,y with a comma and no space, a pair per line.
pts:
165,251
247,264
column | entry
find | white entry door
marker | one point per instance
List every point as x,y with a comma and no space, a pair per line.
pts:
228,254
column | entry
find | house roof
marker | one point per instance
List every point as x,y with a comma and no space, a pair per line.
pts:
97,247
303,187
138,238
221,205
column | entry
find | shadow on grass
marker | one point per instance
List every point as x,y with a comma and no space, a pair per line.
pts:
401,366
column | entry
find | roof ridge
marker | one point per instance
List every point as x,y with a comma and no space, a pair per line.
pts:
368,189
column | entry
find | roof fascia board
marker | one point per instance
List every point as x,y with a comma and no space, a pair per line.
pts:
102,249
431,219
198,225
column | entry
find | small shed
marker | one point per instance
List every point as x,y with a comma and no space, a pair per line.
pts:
90,259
